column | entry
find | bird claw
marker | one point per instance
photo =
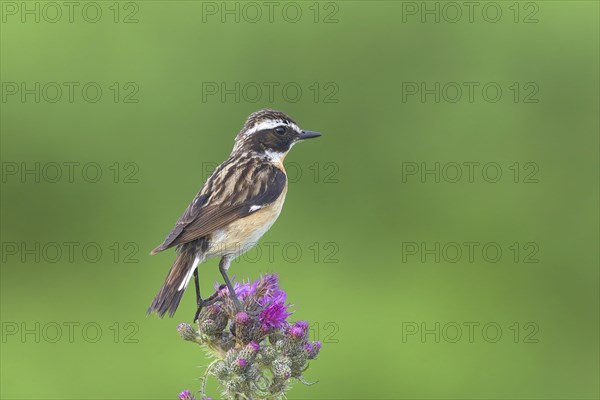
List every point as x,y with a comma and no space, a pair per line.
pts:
201,303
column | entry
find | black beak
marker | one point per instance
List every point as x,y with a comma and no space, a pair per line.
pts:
308,135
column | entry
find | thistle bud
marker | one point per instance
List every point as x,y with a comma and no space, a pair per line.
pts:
211,311
209,327
274,338
254,346
298,363
279,346
231,356
248,354
239,366
187,332
258,352
220,317
296,332
278,386
312,349
220,370
242,318
281,368
232,386
252,373
248,330
286,346
299,330
267,354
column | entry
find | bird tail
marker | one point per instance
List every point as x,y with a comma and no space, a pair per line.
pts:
169,295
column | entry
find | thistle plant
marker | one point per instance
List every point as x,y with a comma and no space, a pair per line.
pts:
257,352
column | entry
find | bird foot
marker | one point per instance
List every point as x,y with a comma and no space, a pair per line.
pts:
201,303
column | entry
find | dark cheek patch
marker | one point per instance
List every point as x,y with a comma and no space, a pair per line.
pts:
274,142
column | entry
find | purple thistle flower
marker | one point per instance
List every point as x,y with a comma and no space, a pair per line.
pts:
274,316
299,330
243,290
278,295
268,290
302,324
279,346
271,281
242,318
296,332
186,395
312,349
272,292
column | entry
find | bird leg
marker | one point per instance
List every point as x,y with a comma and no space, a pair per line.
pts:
200,302
223,266
198,297
207,302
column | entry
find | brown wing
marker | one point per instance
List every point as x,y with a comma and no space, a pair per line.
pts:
233,191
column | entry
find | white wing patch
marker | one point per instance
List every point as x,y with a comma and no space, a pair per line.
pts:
254,208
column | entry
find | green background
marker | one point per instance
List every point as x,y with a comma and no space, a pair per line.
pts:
360,210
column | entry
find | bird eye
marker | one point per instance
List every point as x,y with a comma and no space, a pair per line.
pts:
280,130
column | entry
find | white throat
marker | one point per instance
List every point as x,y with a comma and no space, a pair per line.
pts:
275,156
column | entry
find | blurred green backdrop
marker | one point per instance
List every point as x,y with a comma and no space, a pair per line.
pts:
366,245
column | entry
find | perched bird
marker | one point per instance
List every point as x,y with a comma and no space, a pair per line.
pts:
239,202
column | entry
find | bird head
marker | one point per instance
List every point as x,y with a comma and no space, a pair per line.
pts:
270,132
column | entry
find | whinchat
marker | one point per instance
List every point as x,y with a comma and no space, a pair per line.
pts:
239,202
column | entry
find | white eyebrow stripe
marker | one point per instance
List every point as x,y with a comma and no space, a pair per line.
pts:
270,124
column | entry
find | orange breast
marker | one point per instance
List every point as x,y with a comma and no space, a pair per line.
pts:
244,233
